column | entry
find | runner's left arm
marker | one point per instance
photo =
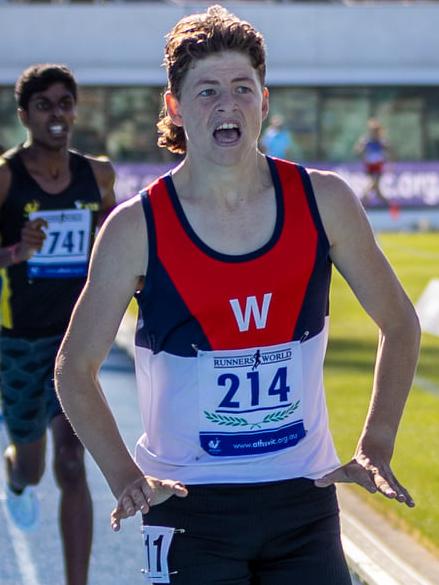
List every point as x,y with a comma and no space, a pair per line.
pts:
357,256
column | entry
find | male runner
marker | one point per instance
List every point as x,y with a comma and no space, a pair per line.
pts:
374,152
230,255
50,201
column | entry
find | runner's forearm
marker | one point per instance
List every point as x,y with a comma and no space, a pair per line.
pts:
87,409
396,361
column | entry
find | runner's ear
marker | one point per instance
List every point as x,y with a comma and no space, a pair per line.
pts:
23,116
265,103
173,108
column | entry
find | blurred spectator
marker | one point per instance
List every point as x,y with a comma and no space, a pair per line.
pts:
276,140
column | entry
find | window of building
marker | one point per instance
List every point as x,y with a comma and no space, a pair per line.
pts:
11,130
131,124
325,123
431,124
401,112
344,114
91,125
299,110
120,122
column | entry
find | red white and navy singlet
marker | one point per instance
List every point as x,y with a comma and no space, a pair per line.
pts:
230,348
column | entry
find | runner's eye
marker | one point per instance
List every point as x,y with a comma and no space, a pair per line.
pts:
42,105
243,89
207,92
67,105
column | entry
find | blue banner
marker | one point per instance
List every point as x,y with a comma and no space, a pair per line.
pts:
403,184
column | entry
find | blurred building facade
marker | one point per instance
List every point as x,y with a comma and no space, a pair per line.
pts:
331,66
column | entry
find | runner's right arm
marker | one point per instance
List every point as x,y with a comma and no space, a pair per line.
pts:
32,234
117,266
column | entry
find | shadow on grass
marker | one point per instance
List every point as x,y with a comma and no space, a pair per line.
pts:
351,354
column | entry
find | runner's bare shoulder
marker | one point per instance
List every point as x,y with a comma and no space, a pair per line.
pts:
336,201
126,226
102,168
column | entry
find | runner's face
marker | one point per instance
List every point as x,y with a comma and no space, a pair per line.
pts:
221,108
50,117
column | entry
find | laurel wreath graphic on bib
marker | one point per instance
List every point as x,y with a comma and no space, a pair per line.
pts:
239,421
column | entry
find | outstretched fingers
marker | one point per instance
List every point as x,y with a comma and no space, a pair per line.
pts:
371,477
133,499
389,486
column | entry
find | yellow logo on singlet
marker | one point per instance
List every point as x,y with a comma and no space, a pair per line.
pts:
94,206
31,207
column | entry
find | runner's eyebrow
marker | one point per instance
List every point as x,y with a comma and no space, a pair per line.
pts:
244,79
44,98
207,81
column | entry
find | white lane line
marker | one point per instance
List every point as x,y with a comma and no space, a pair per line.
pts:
416,578
19,543
361,565
22,552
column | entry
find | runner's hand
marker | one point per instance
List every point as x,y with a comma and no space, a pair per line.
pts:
143,493
374,476
32,238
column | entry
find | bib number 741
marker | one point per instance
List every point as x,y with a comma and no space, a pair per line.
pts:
69,242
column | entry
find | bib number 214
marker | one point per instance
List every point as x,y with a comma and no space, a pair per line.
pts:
278,386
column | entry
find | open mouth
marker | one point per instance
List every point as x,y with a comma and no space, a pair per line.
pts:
57,130
227,133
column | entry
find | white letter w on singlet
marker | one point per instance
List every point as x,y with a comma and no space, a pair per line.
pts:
251,308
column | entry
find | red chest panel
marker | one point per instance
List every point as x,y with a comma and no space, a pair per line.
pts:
245,303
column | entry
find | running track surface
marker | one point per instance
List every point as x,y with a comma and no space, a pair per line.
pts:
36,559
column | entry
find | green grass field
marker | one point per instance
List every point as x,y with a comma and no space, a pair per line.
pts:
348,378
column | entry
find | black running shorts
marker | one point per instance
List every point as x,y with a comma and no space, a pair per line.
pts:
280,533
26,385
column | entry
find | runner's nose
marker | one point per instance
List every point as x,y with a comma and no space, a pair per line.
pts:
227,102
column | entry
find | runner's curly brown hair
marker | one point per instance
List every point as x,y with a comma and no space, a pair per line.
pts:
198,36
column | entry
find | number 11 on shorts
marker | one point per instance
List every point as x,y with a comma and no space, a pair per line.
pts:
157,540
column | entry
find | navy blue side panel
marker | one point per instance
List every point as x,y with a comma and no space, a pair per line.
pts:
150,225
316,302
168,326
309,191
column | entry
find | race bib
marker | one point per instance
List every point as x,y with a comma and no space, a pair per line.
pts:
157,540
251,401
65,252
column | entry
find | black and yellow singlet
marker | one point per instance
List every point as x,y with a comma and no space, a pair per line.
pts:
38,296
